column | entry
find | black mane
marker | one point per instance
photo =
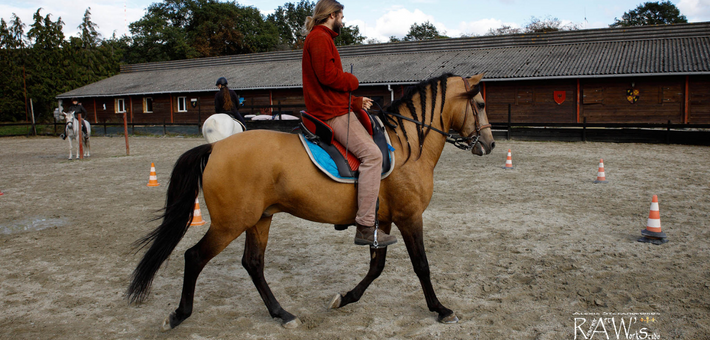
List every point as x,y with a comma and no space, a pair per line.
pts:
407,100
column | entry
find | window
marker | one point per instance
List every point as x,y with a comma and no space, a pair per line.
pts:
148,105
182,104
120,105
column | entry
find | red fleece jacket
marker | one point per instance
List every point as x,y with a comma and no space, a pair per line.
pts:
326,88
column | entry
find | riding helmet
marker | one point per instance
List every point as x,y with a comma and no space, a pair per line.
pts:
221,81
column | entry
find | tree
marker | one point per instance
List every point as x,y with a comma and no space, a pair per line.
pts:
424,31
182,29
349,35
289,20
90,37
503,30
47,67
547,24
12,61
651,13
228,28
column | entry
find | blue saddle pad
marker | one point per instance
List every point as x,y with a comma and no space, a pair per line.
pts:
322,160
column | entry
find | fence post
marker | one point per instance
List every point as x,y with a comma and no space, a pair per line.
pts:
509,120
125,133
81,137
584,129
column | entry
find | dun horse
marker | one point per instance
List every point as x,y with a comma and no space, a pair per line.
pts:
244,187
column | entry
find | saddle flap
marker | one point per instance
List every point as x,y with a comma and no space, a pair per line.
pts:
317,127
365,120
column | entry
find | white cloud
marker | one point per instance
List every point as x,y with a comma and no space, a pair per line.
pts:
396,22
695,10
110,16
481,27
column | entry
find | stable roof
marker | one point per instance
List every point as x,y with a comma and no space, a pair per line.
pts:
682,49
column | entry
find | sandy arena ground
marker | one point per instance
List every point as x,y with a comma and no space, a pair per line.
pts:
524,254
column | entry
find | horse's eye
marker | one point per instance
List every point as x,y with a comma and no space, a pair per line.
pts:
481,105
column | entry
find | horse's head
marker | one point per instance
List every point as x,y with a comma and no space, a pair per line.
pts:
473,123
68,117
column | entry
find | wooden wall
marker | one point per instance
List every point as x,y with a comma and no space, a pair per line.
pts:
601,100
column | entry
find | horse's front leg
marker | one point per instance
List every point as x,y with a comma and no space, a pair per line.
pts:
70,147
413,236
253,262
377,265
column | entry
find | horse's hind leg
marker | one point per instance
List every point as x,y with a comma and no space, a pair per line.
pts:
196,258
377,265
412,233
253,262
87,149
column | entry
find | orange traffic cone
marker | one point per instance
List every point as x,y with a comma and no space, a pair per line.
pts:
197,215
153,179
653,233
508,162
601,176
1,193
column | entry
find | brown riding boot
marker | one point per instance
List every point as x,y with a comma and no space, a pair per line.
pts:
366,236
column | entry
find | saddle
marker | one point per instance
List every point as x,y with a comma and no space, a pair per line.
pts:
329,155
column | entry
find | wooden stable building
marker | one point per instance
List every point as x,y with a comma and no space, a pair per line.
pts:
649,74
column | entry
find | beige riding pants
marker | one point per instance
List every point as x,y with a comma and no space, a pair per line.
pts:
361,145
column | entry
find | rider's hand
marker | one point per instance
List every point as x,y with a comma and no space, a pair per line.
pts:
366,103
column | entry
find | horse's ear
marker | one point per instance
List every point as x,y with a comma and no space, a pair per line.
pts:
476,79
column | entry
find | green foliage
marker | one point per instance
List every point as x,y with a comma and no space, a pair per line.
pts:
425,31
182,29
349,35
46,64
289,20
41,63
651,13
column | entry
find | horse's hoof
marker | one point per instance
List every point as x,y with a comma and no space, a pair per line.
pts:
336,301
291,324
452,318
166,323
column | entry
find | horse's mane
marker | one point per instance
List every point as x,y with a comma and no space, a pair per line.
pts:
407,101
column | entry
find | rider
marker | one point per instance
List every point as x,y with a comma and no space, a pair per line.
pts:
326,90
226,100
78,109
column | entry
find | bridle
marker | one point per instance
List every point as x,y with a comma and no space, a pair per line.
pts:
464,143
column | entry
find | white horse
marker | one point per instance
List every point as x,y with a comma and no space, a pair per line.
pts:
220,126
72,132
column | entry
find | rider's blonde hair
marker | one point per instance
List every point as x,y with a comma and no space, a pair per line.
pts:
323,10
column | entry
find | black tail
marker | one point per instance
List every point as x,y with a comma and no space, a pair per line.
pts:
185,184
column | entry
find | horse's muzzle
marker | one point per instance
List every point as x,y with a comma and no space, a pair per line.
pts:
481,149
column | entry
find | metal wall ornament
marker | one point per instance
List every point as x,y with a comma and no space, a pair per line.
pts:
560,97
632,95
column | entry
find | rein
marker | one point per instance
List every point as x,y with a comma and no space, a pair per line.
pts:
463,143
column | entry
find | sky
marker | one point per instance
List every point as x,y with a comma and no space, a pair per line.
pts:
377,19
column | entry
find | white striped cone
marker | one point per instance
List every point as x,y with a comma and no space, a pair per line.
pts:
197,215
601,176
653,226
508,162
153,178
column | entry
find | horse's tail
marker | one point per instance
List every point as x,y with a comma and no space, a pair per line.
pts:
185,184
